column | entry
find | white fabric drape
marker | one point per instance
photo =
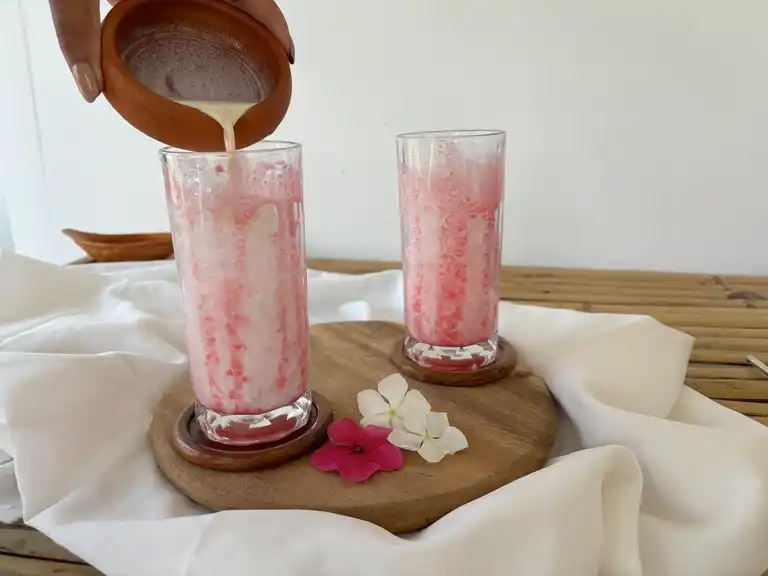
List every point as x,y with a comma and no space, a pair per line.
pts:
649,477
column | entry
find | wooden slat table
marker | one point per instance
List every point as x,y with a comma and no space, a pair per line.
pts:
27,552
728,315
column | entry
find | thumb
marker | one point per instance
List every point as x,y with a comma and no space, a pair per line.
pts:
78,28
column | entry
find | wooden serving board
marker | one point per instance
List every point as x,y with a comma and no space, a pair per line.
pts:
510,426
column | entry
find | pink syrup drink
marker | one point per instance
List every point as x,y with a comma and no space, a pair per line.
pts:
451,196
238,236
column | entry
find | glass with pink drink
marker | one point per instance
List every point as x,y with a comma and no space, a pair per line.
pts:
238,236
451,195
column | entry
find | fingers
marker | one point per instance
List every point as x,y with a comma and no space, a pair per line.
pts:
78,28
268,13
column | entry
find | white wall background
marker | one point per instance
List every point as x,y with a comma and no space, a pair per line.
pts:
638,130
6,237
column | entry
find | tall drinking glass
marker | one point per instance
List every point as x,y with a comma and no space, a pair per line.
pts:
238,235
451,194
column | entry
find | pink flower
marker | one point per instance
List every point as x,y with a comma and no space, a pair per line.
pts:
356,453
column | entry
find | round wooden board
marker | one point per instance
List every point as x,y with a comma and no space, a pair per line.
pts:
510,426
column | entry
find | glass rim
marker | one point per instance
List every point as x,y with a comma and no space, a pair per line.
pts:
262,147
454,134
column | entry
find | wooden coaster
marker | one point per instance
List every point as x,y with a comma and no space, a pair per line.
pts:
510,426
194,446
506,359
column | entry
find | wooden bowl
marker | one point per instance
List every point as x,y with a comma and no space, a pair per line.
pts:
123,247
173,47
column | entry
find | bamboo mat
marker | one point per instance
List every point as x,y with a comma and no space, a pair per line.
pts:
26,552
728,316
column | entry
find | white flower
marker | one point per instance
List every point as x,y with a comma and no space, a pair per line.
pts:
432,437
393,405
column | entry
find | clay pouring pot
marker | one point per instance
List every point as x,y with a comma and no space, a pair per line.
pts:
154,53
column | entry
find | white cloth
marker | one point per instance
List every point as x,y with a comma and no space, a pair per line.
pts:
651,478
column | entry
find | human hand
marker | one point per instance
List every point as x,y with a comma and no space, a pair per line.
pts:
78,28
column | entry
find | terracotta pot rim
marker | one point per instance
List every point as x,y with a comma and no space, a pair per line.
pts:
109,42
130,92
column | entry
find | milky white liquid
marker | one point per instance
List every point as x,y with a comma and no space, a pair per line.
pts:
225,113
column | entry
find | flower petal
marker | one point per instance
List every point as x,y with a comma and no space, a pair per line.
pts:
431,451
357,468
345,432
405,440
380,420
370,402
387,456
413,411
374,436
415,401
397,424
437,424
415,423
393,388
453,440
328,457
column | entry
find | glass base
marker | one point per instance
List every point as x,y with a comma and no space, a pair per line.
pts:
450,358
250,429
